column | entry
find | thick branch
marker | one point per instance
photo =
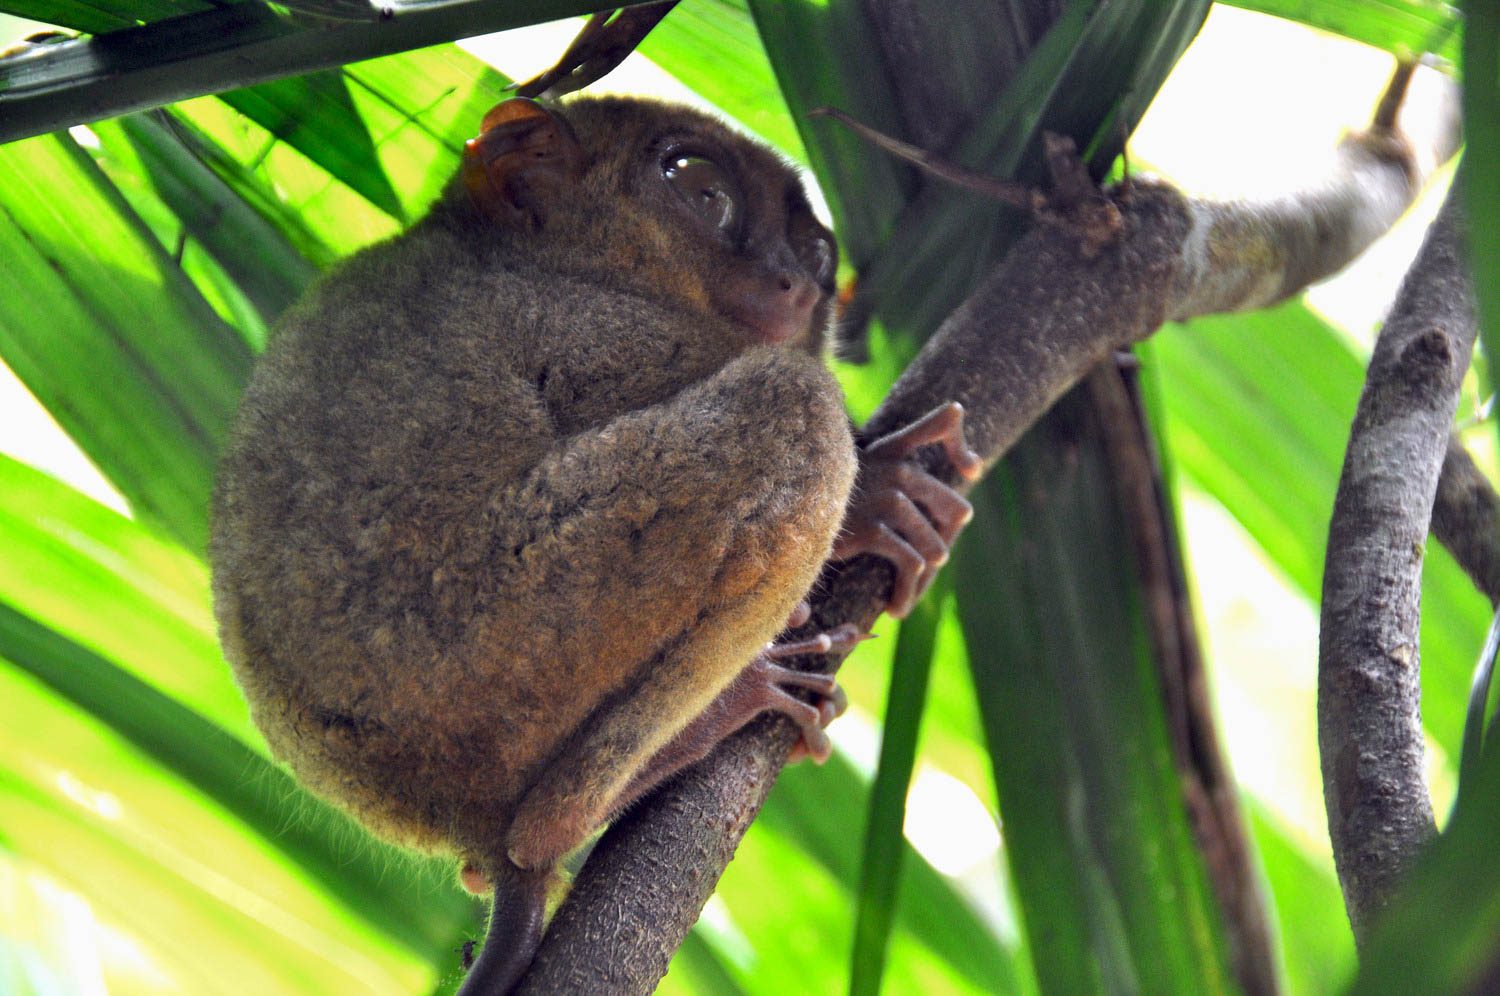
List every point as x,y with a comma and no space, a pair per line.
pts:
1369,727
1034,328
1249,255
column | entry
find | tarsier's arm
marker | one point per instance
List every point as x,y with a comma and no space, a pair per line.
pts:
693,527
719,514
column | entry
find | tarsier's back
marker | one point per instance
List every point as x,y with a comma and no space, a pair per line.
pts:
496,485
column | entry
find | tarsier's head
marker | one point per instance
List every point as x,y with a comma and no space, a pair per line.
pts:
665,200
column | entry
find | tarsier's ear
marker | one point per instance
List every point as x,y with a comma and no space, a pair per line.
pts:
523,156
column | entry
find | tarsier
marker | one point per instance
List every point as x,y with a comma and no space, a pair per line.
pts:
516,502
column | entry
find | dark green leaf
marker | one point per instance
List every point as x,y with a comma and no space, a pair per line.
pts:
1115,895
1477,717
98,17
826,55
1441,933
939,213
1480,175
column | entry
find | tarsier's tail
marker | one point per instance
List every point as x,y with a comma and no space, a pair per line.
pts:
515,931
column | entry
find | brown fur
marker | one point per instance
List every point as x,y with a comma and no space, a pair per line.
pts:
503,509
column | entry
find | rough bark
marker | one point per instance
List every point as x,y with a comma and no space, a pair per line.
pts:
1369,727
1047,315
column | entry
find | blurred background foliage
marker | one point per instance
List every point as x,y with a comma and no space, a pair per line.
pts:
148,843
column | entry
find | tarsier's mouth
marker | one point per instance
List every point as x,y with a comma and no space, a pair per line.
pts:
778,317
774,333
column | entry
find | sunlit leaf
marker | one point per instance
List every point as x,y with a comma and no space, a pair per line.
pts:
315,115
1403,27
263,796
258,257
1317,945
118,312
1259,407
880,861
820,811
712,46
169,873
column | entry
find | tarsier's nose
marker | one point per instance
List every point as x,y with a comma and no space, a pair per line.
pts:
777,305
802,293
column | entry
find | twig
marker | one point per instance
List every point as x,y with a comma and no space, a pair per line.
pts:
604,42
1369,727
1005,191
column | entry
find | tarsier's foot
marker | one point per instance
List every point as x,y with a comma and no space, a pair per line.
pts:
769,681
903,513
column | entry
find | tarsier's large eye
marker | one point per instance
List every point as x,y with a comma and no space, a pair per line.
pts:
707,188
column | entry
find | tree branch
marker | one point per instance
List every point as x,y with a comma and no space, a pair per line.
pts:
1466,519
1369,727
1047,315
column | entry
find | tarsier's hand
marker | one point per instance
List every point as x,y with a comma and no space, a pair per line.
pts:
901,512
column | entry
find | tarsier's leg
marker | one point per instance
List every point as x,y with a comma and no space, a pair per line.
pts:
760,687
722,551
904,514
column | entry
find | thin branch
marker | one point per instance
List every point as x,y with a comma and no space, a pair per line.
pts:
1046,316
1369,727
1466,519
